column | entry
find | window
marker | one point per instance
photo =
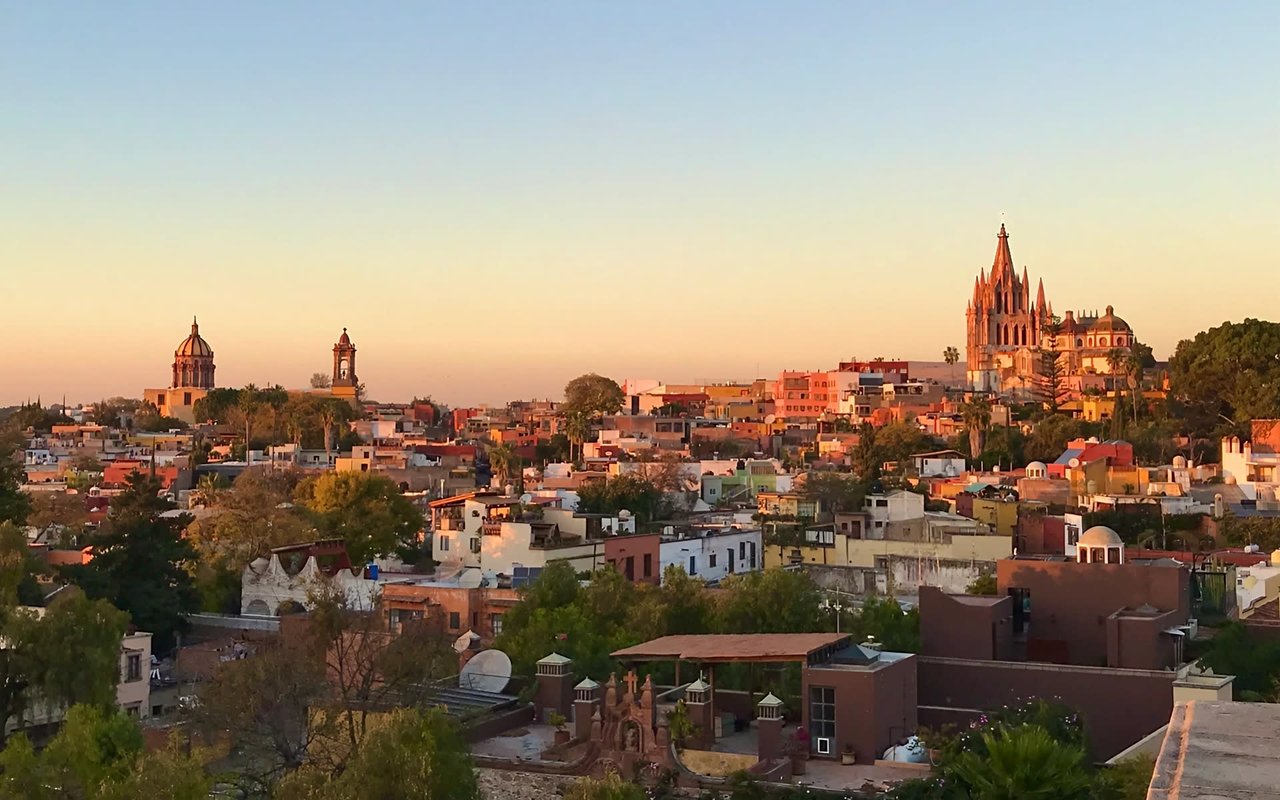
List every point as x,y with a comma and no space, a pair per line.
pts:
822,712
751,562
475,544
186,401
648,565
444,544
693,565
134,667
160,400
742,551
630,570
455,620
157,711
495,624
711,561
729,552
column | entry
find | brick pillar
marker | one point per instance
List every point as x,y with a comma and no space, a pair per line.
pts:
555,687
769,728
700,705
586,699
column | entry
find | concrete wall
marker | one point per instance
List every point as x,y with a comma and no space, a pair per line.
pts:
875,708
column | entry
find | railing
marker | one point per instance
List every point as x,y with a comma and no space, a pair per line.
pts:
491,528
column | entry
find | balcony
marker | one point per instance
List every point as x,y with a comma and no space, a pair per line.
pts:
491,528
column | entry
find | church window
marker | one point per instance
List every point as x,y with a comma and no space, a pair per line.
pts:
1120,341
1102,341
1079,343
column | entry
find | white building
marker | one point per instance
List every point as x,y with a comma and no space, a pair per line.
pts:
271,584
713,556
940,464
893,507
1257,473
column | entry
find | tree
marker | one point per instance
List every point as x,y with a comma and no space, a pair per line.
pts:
885,620
415,754
365,510
952,356
320,380
630,491
835,492
15,505
502,460
977,418
216,406
593,396
577,428
332,411
142,563
247,406
1052,377
368,668
19,566
773,601
1024,763
898,441
983,584
1050,437
265,699
98,755
68,655
1227,376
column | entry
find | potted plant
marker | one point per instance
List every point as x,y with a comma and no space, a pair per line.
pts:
557,721
848,756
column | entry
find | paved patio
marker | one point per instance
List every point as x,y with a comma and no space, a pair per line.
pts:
523,744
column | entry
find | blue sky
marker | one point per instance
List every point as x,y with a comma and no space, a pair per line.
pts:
495,197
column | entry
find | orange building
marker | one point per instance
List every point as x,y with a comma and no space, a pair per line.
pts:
448,608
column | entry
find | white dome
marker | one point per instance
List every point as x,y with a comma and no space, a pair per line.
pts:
1179,462
1100,536
1037,469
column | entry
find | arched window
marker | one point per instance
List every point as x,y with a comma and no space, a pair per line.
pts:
1079,342
1119,341
1102,341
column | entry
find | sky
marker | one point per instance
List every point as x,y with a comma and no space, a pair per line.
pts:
495,197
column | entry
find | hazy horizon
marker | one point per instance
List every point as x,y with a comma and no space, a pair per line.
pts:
495,199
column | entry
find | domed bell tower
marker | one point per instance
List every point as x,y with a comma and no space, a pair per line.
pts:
345,381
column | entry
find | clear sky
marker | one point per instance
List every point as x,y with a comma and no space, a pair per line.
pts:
494,197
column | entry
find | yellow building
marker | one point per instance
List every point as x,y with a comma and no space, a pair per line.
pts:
1001,516
192,378
786,504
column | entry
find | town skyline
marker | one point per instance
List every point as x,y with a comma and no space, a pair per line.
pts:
490,217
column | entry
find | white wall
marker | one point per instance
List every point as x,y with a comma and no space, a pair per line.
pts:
714,547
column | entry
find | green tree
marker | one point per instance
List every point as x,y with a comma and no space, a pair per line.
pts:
365,510
834,492
1052,372
771,601
416,754
15,505
503,460
1024,763
98,755
142,563
331,412
1227,376
592,395
68,655
320,380
898,441
1050,437
884,619
983,584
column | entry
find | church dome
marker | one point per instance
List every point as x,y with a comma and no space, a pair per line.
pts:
344,340
194,345
1037,469
1110,322
1100,536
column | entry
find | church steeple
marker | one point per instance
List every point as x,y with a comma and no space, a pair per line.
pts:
1003,261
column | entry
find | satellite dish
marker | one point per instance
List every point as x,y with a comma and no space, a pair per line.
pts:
464,642
1074,463
489,671
770,419
470,578
526,499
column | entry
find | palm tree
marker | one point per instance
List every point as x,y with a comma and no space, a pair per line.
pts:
501,459
977,418
208,488
247,402
1024,763
330,412
1134,372
952,357
577,426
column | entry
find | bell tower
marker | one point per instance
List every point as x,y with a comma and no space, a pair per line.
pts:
344,368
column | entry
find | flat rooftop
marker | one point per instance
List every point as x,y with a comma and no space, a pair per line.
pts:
1217,750
731,647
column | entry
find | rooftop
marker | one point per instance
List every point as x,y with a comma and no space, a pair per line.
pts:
1219,750
766,647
